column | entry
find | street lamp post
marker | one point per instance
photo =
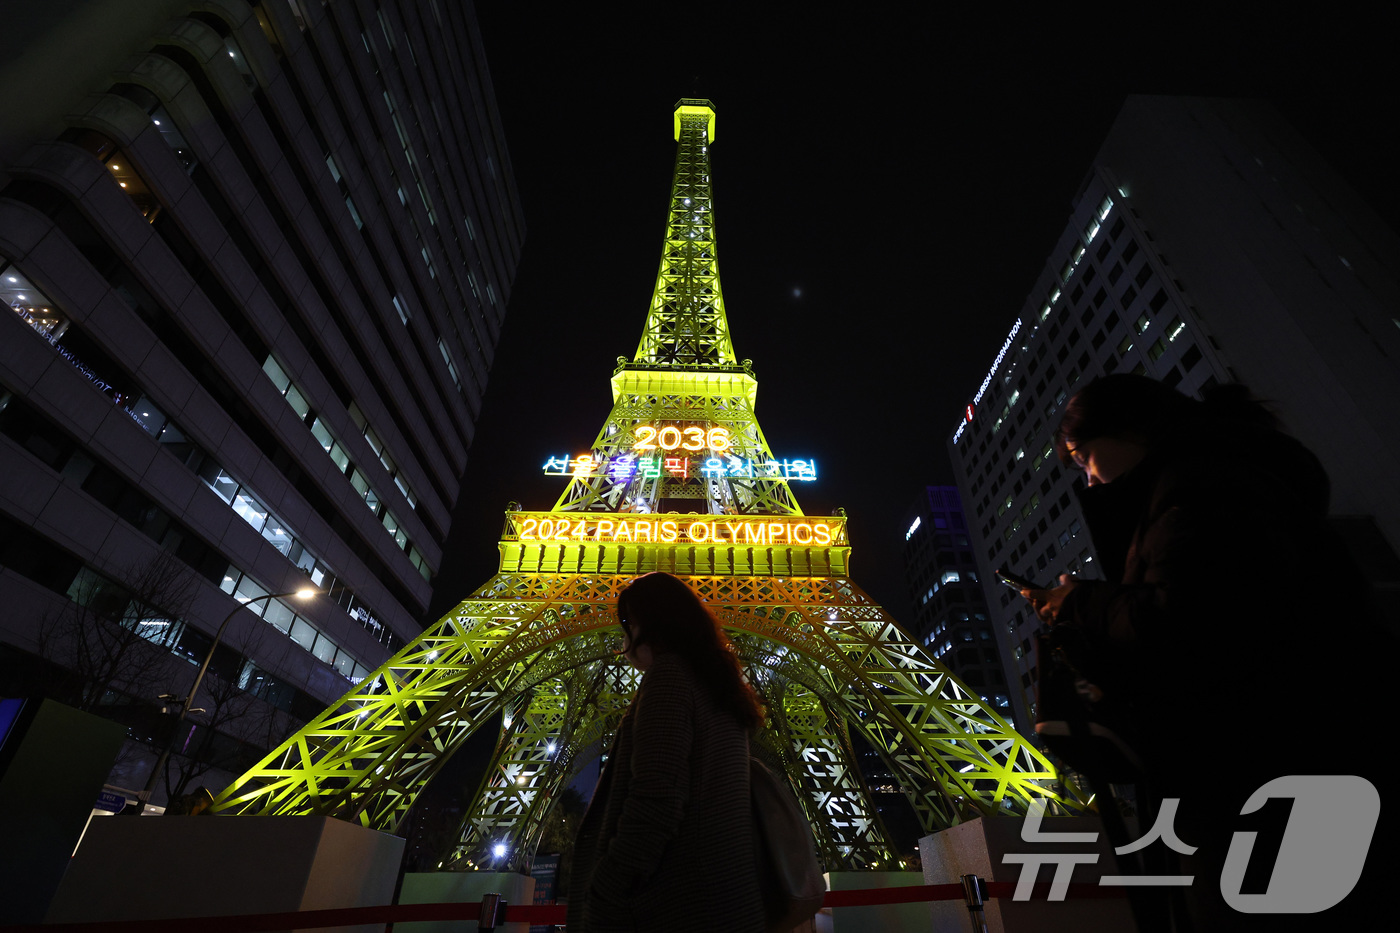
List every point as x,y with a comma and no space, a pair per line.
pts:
145,795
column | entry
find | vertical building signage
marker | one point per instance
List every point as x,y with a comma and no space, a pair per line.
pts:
996,364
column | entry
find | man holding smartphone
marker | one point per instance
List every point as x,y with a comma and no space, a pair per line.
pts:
1190,504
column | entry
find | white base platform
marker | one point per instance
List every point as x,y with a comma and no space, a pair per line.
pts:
882,918
977,846
149,868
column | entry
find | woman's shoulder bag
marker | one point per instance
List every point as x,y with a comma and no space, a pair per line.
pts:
789,876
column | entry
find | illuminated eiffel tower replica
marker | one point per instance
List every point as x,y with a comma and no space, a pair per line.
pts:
679,479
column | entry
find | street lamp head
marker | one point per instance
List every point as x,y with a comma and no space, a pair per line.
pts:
307,593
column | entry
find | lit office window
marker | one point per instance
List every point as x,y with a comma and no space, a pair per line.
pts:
286,388
32,305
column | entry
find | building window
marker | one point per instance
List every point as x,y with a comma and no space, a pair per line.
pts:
32,305
447,358
286,388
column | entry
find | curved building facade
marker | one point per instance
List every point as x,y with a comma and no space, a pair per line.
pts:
257,258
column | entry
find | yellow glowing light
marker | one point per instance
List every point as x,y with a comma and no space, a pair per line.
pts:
696,108
741,532
671,437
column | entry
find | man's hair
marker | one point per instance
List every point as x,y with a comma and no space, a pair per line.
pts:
1126,405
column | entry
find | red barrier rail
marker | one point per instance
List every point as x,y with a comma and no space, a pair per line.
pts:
260,923
407,913
870,897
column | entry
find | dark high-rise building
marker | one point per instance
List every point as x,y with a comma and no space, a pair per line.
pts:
256,257
950,609
1207,244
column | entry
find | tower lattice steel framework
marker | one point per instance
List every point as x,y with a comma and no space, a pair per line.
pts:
680,479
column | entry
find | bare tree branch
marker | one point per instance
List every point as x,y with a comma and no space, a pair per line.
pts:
232,714
116,635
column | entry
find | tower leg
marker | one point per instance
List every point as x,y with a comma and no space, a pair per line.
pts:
542,737
849,829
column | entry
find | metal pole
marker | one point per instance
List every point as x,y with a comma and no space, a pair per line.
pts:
144,797
492,910
973,894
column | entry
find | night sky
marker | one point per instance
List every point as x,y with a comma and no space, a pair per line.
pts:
886,192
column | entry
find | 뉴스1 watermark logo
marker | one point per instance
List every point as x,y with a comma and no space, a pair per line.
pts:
1323,851
1324,845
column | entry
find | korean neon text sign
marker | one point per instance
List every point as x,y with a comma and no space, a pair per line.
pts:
622,468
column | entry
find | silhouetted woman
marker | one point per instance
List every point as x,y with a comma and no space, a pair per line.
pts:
667,842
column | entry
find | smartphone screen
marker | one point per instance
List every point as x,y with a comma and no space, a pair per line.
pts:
1015,582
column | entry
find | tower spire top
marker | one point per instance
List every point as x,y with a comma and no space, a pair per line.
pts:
696,107
686,326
